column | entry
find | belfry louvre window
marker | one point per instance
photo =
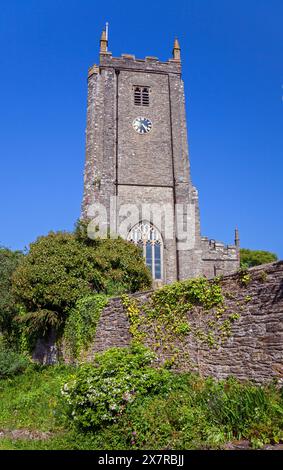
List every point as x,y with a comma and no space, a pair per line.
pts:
141,96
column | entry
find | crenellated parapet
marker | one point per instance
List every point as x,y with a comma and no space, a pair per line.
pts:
218,258
137,155
130,62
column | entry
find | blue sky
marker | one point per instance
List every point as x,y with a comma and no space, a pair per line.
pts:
233,70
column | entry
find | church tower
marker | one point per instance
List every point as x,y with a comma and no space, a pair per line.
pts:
137,165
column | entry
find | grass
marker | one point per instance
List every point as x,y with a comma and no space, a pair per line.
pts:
30,400
189,413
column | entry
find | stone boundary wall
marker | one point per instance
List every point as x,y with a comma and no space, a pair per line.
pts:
253,351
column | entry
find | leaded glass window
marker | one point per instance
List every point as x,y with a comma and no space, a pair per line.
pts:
149,239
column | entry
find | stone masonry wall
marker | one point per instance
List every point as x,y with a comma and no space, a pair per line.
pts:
123,163
218,259
253,351
152,168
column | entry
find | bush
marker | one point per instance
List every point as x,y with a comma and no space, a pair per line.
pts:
250,258
121,261
61,268
99,393
123,266
9,260
11,363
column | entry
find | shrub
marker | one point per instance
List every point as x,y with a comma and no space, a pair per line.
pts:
11,363
99,393
121,261
9,260
123,266
60,269
250,258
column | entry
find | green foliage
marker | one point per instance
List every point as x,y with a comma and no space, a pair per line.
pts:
135,318
9,260
244,410
263,276
191,413
181,296
53,275
121,261
29,401
244,277
99,393
250,258
165,318
61,268
123,266
11,363
81,323
171,411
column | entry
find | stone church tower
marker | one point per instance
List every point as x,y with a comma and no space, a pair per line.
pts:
137,166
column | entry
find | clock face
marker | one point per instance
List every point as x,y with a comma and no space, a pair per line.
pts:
142,125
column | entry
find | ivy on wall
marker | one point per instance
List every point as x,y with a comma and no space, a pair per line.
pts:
163,322
80,327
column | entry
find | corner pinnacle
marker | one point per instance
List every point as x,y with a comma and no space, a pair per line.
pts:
103,43
237,238
177,51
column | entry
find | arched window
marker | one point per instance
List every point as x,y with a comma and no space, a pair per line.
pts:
149,239
141,96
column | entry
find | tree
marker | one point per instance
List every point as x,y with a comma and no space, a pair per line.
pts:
61,268
9,260
251,258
